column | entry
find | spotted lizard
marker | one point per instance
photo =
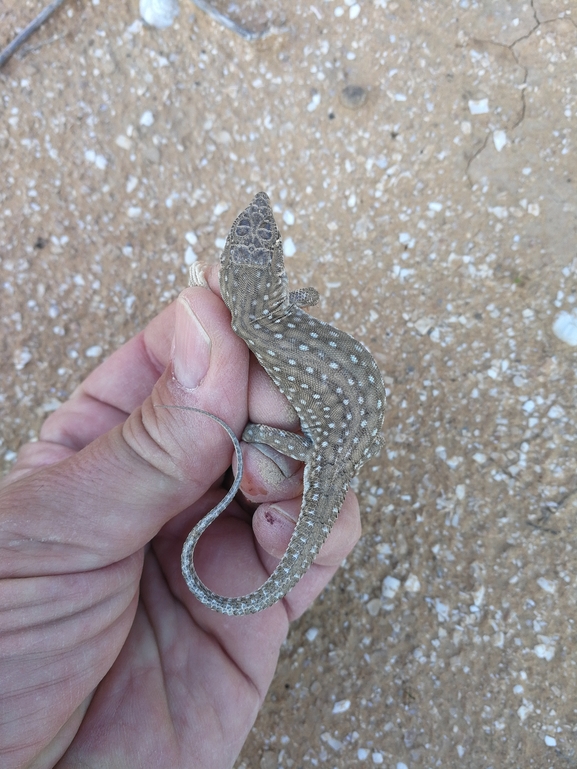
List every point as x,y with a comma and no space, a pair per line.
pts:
331,380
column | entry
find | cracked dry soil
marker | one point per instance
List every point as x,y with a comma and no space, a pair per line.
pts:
437,218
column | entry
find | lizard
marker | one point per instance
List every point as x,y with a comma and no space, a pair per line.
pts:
331,380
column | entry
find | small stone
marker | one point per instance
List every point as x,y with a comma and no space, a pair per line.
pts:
478,106
159,13
289,248
312,633
21,358
544,651
332,741
353,96
565,328
424,325
556,412
341,706
374,606
147,118
547,585
412,584
189,256
94,352
124,142
499,140
550,741
390,586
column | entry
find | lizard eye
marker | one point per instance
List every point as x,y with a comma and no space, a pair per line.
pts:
243,227
264,230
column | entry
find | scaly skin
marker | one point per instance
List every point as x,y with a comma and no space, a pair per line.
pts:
331,380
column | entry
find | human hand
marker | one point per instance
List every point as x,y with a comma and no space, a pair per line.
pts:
106,659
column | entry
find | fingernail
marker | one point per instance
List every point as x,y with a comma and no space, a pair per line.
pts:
191,347
283,513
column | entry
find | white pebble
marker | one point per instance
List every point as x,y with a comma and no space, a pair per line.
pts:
124,142
556,412
544,651
332,741
134,212
565,328
354,11
478,106
401,765
312,633
499,140
374,606
191,238
549,586
22,358
362,754
377,758
288,217
550,741
460,491
442,610
479,457
159,13
314,102
341,706
534,209
412,583
189,256
131,184
147,118
434,206
524,710
390,587
289,248
529,406
220,208
94,352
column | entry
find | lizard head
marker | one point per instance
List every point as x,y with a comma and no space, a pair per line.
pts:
252,256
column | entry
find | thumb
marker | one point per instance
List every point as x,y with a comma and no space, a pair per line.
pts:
109,499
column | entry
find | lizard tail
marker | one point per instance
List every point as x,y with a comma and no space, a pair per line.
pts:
310,533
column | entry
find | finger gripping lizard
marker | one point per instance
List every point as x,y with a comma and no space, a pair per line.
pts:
330,379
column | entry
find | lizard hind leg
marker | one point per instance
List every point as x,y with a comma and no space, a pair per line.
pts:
294,446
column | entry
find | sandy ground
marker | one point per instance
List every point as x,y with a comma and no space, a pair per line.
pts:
437,217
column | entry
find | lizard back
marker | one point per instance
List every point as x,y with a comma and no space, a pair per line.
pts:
329,377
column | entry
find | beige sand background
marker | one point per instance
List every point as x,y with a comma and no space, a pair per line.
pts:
437,217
